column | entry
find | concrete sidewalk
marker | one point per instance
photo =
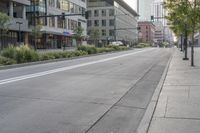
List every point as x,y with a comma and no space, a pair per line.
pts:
178,108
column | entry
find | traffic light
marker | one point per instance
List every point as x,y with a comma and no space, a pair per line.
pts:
63,16
152,18
86,14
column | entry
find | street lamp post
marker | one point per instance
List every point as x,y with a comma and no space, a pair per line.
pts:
193,30
185,42
181,42
19,32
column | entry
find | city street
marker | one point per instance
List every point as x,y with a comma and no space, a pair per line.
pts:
106,93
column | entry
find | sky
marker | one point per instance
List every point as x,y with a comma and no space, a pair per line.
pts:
132,3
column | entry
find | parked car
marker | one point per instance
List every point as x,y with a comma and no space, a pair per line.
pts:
117,43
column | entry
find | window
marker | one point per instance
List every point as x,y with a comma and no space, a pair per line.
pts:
103,32
72,10
65,5
89,23
74,24
58,4
96,13
103,13
111,32
111,12
52,3
89,13
103,22
79,24
60,22
111,22
52,22
69,24
96,22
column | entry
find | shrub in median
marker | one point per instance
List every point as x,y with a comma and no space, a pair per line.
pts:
26,54
6,61
9,52
21,54
47,56
142,45
117,48
90,49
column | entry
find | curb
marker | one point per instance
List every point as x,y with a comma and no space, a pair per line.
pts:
55,60
146,120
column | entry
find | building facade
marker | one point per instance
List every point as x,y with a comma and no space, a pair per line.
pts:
57,31
114,19
159,33
18,26
147,31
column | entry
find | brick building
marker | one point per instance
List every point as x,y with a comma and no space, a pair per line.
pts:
147,31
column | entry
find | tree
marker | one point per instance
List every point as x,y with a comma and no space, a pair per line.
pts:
4,19
184,16
94,35
36,33
78,33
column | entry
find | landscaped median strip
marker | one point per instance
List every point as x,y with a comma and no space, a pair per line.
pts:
29,76
24,54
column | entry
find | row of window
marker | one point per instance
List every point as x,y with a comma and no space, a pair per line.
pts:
104,33
103,13
66,6
103,22
66,24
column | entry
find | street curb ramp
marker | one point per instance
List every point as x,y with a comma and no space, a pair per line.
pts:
148,116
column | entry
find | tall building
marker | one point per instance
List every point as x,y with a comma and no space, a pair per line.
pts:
56,30
115,20
147,31
18,25
145,9
163,33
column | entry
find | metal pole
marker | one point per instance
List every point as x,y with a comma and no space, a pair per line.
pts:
185,42
34,17
181,42
115,31
19,35
193,30
19,31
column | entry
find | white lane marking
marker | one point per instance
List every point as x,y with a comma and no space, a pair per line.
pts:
39,74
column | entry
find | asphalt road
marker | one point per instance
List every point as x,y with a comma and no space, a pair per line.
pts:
99,94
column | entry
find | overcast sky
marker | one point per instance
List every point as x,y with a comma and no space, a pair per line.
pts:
132,3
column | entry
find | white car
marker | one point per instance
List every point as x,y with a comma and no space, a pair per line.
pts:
117,43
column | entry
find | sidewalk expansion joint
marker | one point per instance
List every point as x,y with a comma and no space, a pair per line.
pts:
166,106
131,107
181,118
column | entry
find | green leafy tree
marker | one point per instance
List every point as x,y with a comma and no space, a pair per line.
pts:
36,34
94,35
4,19
78,34
184,16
